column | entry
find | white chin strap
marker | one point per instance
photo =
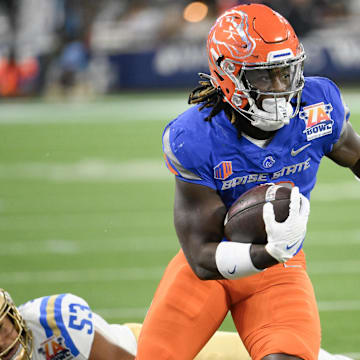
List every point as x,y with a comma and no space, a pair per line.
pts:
277,113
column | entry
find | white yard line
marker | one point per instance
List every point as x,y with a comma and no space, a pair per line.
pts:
119,110
91,170
120,313
144,273
91,246
345,305
331,237
156,244
334,267
140,312
109,110
324,306
82,275
98,170
329,192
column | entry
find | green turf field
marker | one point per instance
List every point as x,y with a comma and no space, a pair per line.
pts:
86,207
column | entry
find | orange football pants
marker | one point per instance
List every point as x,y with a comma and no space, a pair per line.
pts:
274,311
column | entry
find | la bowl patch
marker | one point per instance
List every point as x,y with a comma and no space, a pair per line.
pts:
317,120
54,348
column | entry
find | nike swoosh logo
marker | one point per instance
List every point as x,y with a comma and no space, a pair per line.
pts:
298,151
288,247
232,272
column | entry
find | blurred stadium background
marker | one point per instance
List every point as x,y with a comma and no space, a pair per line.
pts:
86,88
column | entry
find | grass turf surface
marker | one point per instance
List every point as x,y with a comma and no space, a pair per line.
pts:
86,207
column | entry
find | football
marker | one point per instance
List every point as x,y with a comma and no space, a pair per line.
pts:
244,220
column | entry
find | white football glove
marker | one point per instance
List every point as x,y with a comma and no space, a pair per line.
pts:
285,239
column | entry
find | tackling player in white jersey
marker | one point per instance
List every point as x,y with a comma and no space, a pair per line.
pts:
63,327
60,327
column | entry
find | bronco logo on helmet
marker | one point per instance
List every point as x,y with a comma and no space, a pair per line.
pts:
237,33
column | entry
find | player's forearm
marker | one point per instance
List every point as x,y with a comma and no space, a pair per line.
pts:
205,266
260,257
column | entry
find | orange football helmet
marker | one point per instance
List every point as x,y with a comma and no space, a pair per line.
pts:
251,48
23,341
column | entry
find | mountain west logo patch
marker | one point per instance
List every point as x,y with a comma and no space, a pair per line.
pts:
223,170
317,120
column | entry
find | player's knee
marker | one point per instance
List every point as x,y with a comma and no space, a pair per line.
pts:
287,346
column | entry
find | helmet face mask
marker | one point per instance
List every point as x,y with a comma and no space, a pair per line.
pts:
254,55
22,342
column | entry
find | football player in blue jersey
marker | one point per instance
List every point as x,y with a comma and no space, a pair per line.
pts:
256,120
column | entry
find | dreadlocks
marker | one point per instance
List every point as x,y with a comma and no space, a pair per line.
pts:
211,97
214,97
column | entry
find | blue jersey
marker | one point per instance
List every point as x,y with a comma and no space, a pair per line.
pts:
210,153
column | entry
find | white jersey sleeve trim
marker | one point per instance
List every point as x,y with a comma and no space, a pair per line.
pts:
186,174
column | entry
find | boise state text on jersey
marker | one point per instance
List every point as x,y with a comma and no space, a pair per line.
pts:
211,154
